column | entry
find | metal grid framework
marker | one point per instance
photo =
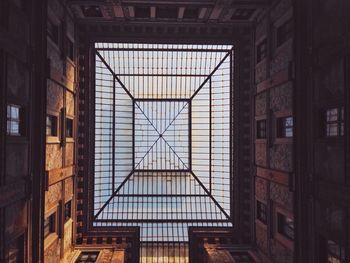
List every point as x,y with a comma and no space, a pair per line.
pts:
163,148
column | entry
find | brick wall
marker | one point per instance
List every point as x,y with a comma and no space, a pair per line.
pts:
273,152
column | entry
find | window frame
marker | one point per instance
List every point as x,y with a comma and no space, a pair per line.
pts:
282,224
53,126
261,214
67,218
52,224
79,260
261,130
282,127
10,119
69,130
339,122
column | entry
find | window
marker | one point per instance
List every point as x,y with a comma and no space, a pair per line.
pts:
334,122
51,125
15,251
242,257
284,32
142,137
142,12
49,225
69,128
67,211
87,257
285,127
53,31
91,11
261,129
261,212
13,120
261,51
335,252
285,226
69,48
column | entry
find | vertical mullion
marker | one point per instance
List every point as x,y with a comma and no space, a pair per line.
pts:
133,135
189,108
113,138
231,129
210,135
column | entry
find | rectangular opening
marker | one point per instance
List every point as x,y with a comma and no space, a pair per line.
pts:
261,129
87,257
69,128
162,160
50,225
285,226
51,125
67,211
14,122
261,212
334,122
285,127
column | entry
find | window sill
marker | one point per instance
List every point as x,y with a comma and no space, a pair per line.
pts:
69,139
284,140
261,140
52,139
50,239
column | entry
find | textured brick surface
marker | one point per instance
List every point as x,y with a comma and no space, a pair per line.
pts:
53,156
282,57
261,189
261,238
16,162
281,157
281,195
53,196
260,154
280,254
281,97
260,104
54,96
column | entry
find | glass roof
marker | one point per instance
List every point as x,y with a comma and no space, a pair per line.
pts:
163,159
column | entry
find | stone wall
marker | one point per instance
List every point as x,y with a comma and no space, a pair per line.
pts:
60,154
273,154
15,147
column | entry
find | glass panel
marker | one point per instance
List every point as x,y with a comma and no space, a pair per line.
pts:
332,115
162,140
332,129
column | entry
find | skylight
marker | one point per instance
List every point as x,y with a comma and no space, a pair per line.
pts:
163,158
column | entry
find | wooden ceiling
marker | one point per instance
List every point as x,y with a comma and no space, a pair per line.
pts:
180,11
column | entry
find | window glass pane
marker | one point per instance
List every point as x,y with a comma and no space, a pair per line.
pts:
332,129
14,112
14,127
69,128
289,132
332,115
